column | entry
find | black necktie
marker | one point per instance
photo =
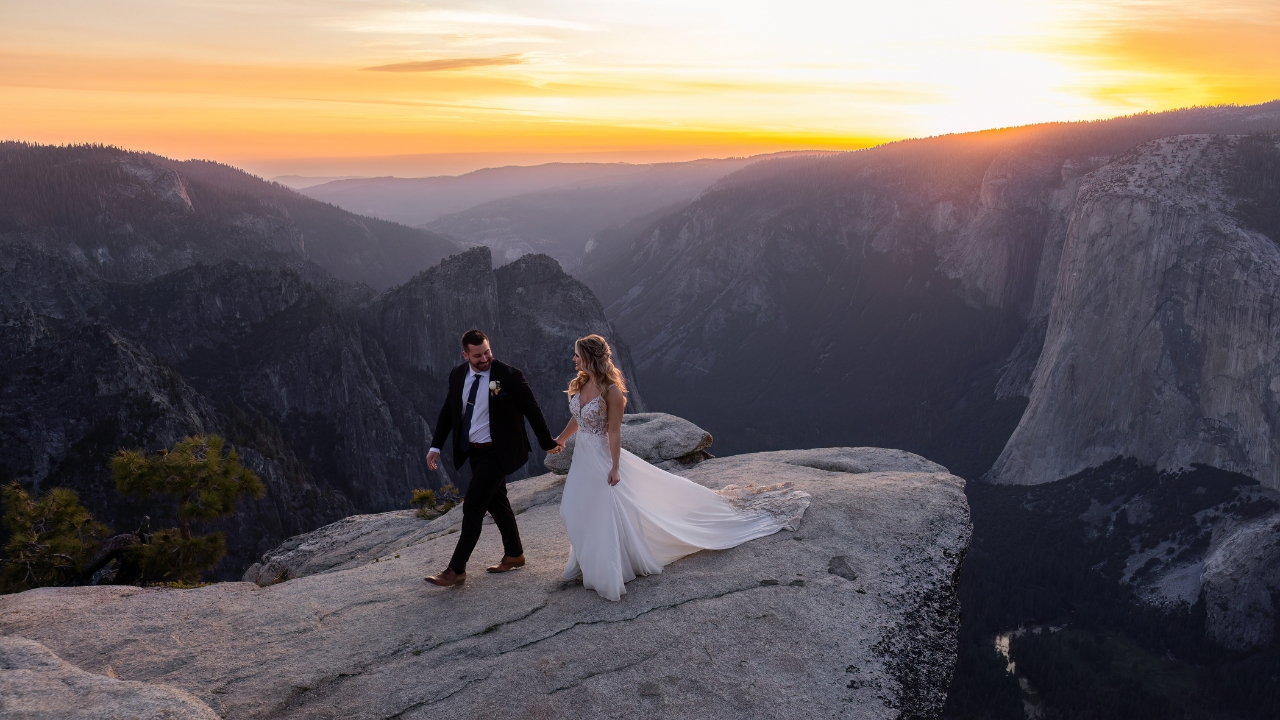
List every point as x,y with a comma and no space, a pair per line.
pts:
466,415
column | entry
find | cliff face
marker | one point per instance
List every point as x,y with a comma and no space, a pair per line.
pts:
135,216
871,298
227,349
330,401
1162,342
270,344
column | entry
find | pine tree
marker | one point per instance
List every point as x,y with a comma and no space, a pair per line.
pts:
50,538
206,483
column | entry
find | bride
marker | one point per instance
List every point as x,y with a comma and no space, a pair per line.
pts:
626,517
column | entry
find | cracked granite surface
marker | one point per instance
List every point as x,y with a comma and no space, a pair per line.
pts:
766,629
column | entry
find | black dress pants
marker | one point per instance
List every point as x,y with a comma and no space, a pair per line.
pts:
486,493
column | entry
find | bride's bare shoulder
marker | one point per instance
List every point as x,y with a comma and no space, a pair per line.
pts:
615,394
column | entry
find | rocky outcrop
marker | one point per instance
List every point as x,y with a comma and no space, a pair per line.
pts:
361,539
656,438
1160,344
1226,555
35,684
868,581
1241,583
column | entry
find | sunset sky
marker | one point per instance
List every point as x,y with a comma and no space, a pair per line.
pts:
425,87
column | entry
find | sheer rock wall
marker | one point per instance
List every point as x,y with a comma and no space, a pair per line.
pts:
1162,342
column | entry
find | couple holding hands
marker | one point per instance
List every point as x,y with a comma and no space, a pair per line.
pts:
624,517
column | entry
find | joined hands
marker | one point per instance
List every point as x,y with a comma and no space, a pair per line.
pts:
433,457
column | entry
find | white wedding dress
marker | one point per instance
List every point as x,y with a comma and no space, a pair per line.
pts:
651,517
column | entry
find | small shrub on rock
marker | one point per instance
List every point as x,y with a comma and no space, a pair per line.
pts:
447,497
431,503
425,501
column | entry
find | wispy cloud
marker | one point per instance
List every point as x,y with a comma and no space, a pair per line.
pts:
448,64
440,22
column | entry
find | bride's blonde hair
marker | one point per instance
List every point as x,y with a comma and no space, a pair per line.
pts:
598,359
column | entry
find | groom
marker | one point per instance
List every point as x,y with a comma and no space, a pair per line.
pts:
486,407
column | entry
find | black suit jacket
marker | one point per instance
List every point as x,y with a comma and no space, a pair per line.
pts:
508,410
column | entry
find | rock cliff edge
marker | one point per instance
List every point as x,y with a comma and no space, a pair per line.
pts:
854,615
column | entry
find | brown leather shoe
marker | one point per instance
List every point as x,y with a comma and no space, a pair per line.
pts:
508,564
448,578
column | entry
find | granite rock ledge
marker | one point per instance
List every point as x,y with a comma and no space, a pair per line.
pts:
35,684
854,615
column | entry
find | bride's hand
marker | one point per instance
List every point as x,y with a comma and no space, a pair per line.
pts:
614,477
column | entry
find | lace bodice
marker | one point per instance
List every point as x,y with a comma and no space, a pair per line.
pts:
593,418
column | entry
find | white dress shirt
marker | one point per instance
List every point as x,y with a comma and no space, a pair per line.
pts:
480,413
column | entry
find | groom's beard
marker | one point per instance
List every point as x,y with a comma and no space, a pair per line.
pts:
482,367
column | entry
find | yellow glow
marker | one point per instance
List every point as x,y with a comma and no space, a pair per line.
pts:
284,85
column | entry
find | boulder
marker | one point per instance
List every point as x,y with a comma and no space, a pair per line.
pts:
655,437
855,614
35,684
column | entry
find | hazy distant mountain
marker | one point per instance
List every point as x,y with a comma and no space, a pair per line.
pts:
554,208
298,182
562,221
416,201
900,296
134,216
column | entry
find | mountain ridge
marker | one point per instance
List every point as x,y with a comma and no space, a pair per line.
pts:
132,216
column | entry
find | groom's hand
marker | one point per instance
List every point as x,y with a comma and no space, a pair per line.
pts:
433,460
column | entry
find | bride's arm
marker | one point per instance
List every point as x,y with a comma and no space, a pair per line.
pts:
569,430
616,402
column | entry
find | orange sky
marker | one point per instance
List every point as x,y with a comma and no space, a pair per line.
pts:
410,88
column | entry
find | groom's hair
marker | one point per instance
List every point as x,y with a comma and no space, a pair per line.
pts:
473,337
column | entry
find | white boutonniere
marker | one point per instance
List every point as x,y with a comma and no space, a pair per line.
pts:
494,387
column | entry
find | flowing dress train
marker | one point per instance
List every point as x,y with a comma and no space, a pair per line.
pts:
652,517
